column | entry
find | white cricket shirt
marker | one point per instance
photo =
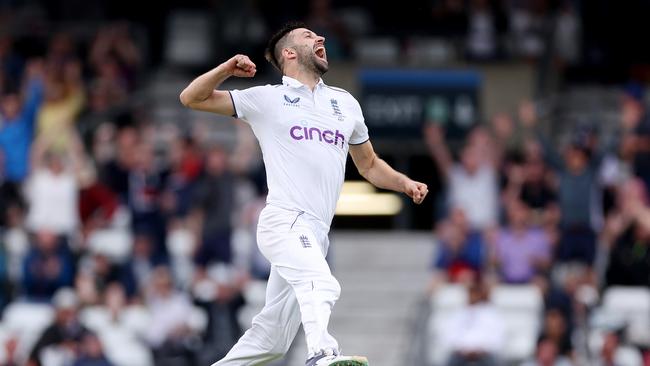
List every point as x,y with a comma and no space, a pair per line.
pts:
305,137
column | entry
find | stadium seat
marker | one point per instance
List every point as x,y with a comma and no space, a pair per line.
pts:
630,306
444,302
95,318
27,320
255,295
197,320
521,307
136,318
123,348
114,243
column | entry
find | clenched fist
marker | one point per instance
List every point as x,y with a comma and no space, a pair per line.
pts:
241,66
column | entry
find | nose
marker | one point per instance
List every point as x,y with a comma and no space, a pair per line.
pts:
320,39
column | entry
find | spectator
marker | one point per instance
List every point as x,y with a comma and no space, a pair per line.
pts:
635,124
483,30
146,184
138,270
64,99
47,267
115,56
91,352
18,118
96,273
169,332
612,353
472,183
547,355
475,333
114,168
557,330
11,356
578,186
213,205
11,63
62,338
186,163
521,251
531,182
461,253
52,188
97,203
627,233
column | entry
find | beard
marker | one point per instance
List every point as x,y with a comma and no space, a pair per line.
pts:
308,60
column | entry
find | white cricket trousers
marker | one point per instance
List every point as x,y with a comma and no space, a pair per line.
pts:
301,288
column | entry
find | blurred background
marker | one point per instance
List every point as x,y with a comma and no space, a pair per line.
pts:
127,223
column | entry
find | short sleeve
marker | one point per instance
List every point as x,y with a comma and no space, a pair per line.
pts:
249,103
360,132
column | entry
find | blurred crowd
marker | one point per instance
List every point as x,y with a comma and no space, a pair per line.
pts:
569,215
139,235
104,215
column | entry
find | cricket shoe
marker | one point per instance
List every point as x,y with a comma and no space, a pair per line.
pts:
336,360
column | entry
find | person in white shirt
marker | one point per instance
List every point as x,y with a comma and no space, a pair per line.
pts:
474,334
305,129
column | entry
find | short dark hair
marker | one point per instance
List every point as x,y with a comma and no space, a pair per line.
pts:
271,53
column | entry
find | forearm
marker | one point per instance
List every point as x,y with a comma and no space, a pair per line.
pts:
381,175
202,87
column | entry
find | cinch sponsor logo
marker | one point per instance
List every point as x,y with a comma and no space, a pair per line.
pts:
314,133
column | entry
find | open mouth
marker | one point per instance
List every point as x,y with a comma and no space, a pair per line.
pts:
320,52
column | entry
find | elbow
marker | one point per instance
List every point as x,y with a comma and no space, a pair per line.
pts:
184,99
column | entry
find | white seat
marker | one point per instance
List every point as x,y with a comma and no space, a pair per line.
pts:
627,299
27,321
255,292
444,302
521,330
123,348
95,318
180,243
26,316
517,297
521,307
631,306
197,319
449,296
136,318
115,243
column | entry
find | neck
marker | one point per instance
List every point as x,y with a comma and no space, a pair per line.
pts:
306,77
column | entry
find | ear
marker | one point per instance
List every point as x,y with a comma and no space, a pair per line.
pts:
289,53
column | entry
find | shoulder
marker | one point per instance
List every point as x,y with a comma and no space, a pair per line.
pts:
344,95
340,93
337,89
268,88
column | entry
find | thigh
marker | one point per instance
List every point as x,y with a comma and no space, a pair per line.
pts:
293,247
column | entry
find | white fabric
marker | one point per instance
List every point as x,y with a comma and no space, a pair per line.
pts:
304,138
167,315
475,328
300,287
53,202
476,194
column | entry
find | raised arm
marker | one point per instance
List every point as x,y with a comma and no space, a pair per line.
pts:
380,174
201,94
435,141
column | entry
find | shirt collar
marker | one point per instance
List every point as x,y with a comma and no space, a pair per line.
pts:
289,81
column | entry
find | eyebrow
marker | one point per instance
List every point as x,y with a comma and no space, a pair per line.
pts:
308,32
